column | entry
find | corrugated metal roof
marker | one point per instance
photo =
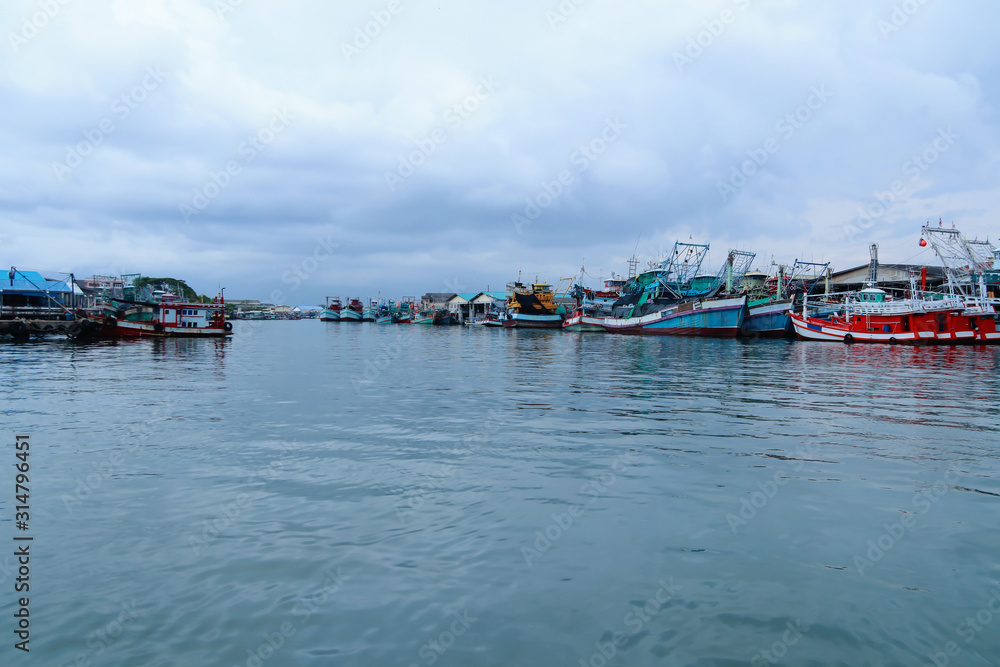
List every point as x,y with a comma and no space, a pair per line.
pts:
30,282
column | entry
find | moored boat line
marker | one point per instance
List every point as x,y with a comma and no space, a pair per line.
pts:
675,297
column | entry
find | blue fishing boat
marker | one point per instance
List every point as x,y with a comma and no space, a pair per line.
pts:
720,317
673,299
352,312
769,316
331,313
368,313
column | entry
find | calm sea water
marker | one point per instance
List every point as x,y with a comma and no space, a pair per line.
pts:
332,494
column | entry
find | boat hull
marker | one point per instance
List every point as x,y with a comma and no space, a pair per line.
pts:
126,329
768,320
712,318
527,321
327,315
350,316
584,323
921,328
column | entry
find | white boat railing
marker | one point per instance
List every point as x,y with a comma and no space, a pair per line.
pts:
903,306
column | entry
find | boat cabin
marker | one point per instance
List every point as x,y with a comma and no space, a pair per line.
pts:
872,295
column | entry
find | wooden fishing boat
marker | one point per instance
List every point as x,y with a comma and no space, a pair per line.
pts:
425,316
443,316
331,312
593,306
163,315
717,317
533,308
369,312
768,318
404,312
872,316
963,315
352,311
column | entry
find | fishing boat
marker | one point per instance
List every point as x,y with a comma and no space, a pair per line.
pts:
443,316
383,314
593,306
425,316
404,312
352,311
492,320
533,307
715,317
140,313
768,318
872,315
369,312
673,299
771,304
331,312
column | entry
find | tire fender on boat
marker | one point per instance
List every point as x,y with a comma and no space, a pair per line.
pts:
158,327
229,326
110,322
848,338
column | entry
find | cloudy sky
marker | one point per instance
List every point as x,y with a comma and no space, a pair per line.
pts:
304,148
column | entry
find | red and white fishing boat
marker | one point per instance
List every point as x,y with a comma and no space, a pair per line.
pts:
163,316
579,320
593,306
873,316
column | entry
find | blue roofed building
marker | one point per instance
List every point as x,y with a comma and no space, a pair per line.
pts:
30,294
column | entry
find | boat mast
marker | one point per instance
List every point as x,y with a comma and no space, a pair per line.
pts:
873,265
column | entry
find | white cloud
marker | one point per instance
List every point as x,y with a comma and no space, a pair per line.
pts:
688,128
